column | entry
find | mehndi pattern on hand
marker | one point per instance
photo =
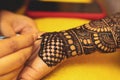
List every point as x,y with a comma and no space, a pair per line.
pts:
99,35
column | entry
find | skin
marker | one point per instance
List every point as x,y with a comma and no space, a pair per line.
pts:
15,50
35,68
18,54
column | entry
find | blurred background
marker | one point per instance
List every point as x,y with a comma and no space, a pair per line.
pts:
111,6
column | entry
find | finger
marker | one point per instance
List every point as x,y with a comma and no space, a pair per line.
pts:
6,29
19,23
11,75
5,26
13,44
23,25
14,61
35,50
36,70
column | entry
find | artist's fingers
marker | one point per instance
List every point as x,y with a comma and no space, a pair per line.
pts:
6,29
23,25
36,47
15,60
11,75
5,24
15,23
13,44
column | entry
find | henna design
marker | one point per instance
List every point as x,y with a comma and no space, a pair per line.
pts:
114,23
100,35
51,49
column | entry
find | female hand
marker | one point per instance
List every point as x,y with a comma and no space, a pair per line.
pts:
15,50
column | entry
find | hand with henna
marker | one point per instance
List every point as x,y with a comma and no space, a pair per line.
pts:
101,36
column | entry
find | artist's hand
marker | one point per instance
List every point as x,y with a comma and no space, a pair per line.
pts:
14,51
11,24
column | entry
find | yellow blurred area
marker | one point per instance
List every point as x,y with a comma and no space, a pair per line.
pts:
73,1
57,24
96,66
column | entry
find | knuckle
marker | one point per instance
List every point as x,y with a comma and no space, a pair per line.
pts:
13,45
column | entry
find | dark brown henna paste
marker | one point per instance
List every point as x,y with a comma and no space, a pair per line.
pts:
100,35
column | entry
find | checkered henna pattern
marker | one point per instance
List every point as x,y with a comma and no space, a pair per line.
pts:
100,35
52,49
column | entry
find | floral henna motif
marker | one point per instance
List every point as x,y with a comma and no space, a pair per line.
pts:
114,23
100,35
